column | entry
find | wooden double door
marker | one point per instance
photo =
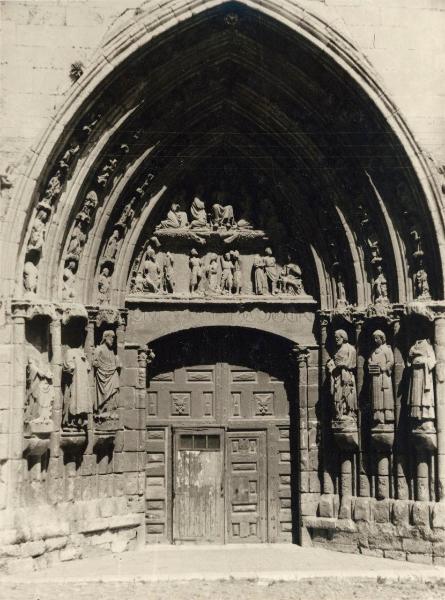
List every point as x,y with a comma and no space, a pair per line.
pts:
220,486
218,466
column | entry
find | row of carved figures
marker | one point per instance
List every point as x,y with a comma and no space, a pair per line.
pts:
215,274
77,400
380,365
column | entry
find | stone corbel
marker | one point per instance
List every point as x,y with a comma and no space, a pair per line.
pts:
73,311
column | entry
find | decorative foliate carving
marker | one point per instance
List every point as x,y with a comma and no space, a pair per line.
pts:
421,362
380,368
77,402
39,393
341,369
107,367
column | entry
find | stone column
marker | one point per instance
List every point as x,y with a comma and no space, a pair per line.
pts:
400,466
328,482
364,487
439,348
56,367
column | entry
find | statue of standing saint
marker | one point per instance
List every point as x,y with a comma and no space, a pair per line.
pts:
421,361
341,370
76,393
107,366
380,367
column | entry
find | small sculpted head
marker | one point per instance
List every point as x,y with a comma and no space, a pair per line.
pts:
340,336
108,338
379,337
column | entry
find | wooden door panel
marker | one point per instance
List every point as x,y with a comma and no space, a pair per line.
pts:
198,513
246,487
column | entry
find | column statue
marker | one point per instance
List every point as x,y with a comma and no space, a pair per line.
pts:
421,362
107,367
380,367
343,386
76,393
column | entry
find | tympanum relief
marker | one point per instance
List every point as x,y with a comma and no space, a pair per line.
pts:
212,254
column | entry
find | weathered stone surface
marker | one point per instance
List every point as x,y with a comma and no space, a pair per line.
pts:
421,514
438,516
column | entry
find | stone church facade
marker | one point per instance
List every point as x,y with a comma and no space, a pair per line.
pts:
222,257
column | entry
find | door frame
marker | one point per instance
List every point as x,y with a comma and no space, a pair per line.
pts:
175,433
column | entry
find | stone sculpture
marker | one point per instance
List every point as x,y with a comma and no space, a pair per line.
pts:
226,273
104,286
271,271
89,207
380,367
421,285
68,280
30,278
196,272
198,213
175,218
222,216
77,402
107,367
112,246
421,362
237,273
290,279
38,231
77,240
127,216
380,287
341,371
168,274
342,301
151,272
259,276
39,391
212,274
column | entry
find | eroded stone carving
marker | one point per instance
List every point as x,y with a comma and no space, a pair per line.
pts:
198,213
290,279
69,280
421,362
380,287
38,230
380,367
107,367
421,285
39,392
265,273
112,246
30,278
168,274
196,272
104,286
77,402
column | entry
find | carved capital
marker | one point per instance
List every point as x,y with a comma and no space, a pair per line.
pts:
300,355
145,356
107,316
28,309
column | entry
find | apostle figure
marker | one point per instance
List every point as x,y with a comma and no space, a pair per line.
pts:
270,265
198,212
196,272
37,235
226,273
341,369
76,392
39,390
77,240
259,275
421,361
107,366
380,367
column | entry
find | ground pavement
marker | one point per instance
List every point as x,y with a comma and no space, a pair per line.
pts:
275,572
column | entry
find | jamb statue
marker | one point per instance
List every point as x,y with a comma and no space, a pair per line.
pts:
107,367
341,370
380,368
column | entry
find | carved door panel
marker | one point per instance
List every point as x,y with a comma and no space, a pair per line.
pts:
246,487
198,505
256,395
185,393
